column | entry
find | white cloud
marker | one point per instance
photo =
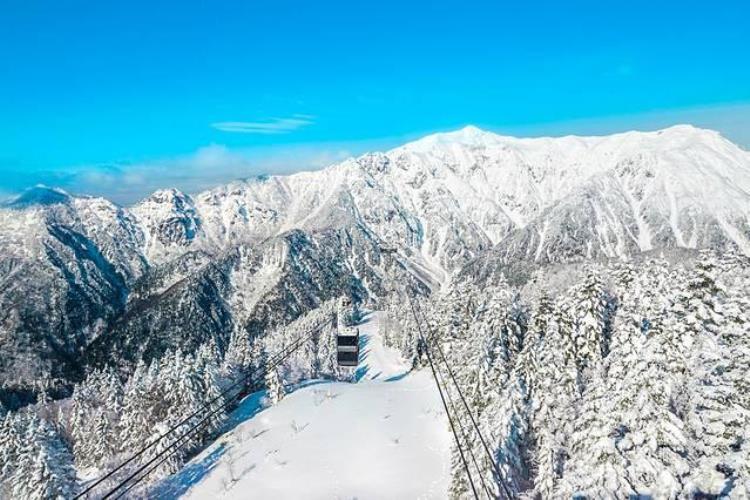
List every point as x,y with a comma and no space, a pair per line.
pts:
205,168
272,126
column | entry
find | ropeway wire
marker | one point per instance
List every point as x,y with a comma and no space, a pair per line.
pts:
442,398
182,441
466,439
274,361
495,467
164,459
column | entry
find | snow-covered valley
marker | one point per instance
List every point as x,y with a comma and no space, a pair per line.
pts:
383,437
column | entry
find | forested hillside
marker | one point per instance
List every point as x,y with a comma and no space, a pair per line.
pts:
608,380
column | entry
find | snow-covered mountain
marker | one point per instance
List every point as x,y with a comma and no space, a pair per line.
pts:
98,274
447,197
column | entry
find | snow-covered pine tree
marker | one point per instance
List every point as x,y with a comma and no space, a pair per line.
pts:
238,356
327,354
460,488
735,338
10,449
113,392
21,482
653,441
547,463
590,321
41,480
103,442
258,356
595,466
44,469
135,421
528,357
80,422
715,417
693,314
554,415
563,328
511,414
188,389
207,366
607,461
275,387
172,462
515,325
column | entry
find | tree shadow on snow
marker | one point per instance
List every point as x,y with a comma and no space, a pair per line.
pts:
362,369
248,408
398,377
192,474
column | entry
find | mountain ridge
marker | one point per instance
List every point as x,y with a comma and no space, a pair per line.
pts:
420,212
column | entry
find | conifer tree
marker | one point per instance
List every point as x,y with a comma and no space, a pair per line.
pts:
258,356
10,449
238,356
459,487
528,362
44,469
114,392
655,443
80,427
275,387
595,467
512,435
135,422
554,409
208,370
590,317
103,446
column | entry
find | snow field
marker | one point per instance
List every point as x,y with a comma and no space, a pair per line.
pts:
385,436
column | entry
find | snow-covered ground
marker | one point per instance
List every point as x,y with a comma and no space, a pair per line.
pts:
385,436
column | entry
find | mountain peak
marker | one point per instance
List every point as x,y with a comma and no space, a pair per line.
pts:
468,135
171,196
40,195
686,129
471,131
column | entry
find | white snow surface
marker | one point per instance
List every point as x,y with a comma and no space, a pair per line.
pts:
383,437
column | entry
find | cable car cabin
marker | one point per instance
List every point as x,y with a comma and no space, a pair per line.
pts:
347,348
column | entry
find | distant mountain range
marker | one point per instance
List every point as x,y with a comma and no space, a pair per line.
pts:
85,281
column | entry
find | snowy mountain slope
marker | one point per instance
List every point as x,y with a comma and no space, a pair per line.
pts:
251,287
383,437
65,267
441,202
448,197
100,300
688,193
169,221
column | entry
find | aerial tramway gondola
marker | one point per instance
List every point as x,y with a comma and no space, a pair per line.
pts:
347,348
347,340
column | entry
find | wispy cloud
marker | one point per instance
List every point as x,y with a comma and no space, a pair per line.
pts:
272,126
126,183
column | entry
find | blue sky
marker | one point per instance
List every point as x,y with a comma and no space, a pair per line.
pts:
118,98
